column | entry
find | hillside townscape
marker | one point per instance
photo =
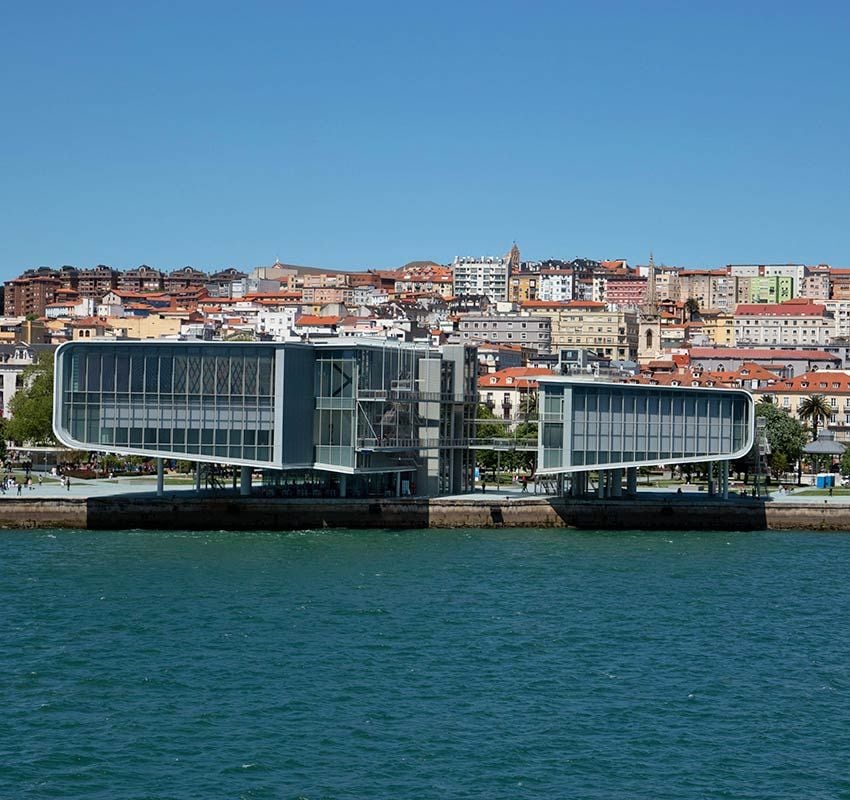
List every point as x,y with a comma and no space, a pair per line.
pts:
781,331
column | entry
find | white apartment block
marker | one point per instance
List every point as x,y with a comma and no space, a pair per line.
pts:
277,324
840,311
780,324
555,285
486,276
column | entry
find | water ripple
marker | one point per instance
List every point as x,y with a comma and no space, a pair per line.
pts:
463,664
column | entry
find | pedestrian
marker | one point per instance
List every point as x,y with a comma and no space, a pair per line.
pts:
20,486
524,485
40,480
68,484
483,486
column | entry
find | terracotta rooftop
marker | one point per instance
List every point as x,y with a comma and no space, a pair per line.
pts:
513,377
819,382
317,322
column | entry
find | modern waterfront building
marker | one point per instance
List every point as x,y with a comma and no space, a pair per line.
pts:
368,416
608,428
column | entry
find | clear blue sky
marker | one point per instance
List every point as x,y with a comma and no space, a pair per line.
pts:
360,134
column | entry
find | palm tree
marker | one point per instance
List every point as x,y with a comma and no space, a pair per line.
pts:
766,398
814,409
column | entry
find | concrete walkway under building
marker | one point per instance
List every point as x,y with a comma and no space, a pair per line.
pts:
52,488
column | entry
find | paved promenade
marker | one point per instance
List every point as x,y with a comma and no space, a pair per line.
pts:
53,488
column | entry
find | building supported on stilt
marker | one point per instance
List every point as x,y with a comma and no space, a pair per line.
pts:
371,418
609,429
344,418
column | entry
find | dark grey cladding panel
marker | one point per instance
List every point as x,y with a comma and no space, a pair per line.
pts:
298,395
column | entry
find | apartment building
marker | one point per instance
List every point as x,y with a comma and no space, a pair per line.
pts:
625,292
834,385
782,323
586,324
31,293
839,310
839,280
487,276
141,279
710,288
523,329
524,286
555,285
816,283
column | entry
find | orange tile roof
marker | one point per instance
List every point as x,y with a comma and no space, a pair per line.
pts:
310,320
819,382
513,377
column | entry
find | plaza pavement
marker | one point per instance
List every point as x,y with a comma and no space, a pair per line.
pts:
52,488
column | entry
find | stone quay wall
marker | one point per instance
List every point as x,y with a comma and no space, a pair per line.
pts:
190,512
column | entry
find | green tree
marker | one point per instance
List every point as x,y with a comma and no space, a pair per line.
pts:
692,307
785,435
486,427
778,464
815,409
32,406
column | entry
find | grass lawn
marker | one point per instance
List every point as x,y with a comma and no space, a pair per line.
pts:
837,492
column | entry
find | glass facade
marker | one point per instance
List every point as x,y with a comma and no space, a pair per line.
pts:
369,407
180,400
590,425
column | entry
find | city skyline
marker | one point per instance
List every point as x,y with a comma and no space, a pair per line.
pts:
350,137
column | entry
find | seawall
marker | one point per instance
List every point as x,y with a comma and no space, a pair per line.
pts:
189,512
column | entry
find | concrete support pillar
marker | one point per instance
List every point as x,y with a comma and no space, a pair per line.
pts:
724,480
711,479
600,485
245,481
398,484
160,477
617,482
580,483
343,485
631,481
197,476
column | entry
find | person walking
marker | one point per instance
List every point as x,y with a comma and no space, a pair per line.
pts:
67,484
20,486
524,485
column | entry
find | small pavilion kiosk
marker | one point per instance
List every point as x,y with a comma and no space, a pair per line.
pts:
824,445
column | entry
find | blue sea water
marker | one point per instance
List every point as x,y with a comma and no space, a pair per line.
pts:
424,664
